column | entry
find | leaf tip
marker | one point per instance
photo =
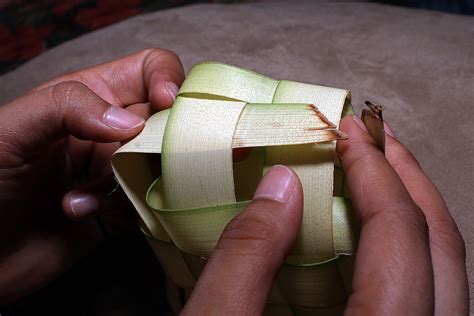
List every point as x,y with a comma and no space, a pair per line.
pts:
321,116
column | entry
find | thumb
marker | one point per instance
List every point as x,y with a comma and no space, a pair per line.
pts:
240,273
68,108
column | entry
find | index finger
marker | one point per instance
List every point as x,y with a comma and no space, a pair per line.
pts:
393,272
153,75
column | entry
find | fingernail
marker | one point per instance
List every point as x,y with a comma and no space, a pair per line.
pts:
388,129
83,204
277,184
172,89
119,118
359,122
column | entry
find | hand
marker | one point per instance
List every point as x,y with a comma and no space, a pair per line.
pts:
55,148
410,259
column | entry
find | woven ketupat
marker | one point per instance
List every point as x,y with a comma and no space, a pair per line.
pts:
179,175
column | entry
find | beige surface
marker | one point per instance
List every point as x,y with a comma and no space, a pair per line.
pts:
419,64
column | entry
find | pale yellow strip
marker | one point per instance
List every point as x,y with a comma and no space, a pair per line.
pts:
345,226
215,80
196,231
315,286
197,153
134,175
330,101
133,171
282,124
314,164
150,138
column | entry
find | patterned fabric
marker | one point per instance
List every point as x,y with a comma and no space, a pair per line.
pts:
28,27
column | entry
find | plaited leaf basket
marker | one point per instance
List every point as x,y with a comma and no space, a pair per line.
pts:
180,176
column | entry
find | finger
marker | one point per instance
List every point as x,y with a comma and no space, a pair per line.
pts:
102,196
393,272
239,275
69,108
152,75
446,243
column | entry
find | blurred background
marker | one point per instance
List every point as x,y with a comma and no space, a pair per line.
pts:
29,27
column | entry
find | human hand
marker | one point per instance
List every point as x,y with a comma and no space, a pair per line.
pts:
410,258
55,147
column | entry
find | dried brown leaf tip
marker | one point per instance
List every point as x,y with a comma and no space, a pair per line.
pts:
338,135
332,132
320,115
373,120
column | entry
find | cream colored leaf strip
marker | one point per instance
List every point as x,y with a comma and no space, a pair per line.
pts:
210,80
283,124
314,164
150,139
197,153
133,171
197,230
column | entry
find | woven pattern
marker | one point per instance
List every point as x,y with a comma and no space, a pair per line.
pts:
313,290
185,206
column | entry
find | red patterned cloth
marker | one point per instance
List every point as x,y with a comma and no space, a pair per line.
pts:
28,27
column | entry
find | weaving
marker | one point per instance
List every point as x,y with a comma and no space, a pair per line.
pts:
180,176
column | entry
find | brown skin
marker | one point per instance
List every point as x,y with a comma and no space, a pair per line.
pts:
411,257
54,142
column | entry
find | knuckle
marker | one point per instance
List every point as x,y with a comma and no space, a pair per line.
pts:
67,95
358,158
445,235
154,52
400,215
168,62
151,54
